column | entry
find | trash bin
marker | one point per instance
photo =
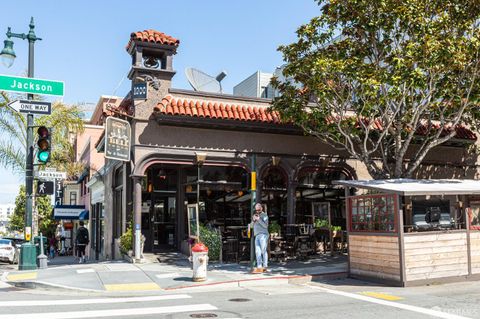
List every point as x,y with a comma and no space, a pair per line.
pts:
200,262
36,241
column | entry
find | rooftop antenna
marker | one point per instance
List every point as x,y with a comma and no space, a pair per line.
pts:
200,81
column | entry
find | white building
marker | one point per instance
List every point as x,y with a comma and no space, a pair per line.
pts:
5,212
256,85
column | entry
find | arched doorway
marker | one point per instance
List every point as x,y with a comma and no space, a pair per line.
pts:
159,207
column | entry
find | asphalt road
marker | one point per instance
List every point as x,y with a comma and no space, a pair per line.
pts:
336,299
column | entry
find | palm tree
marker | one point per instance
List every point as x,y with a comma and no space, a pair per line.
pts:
64,120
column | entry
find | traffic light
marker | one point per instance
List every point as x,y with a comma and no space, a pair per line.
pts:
44,144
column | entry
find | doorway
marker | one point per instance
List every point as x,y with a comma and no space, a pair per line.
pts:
162,226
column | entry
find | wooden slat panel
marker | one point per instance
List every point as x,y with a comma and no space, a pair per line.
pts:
433,237
376,262
451,254
383,239
373,250
361,254
438,243
374,268
361,272
385,245
436,262
438,274
434,250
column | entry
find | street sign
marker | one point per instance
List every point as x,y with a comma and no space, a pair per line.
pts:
45,188
140,91
31,85
51,175
117,139
34,107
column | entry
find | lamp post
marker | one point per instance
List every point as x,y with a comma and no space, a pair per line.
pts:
200,159
28,252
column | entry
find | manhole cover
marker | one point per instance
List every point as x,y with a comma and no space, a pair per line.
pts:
203,315
240,300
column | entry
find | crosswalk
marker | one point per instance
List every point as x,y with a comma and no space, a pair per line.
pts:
134,307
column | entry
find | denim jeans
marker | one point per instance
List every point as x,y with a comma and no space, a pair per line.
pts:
261,250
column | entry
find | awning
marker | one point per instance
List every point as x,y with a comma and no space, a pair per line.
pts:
70,212
416,187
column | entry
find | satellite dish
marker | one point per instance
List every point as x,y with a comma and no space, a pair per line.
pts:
200,81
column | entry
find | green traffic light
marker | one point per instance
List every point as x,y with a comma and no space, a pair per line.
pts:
43,156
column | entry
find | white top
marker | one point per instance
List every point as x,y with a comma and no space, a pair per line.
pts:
413,187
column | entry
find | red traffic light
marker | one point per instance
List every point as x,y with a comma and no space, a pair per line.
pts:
43,131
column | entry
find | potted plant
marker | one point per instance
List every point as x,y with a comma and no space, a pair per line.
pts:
336,230
321,223
274,229
126,242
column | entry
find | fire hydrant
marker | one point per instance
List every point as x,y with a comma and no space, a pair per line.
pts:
200,261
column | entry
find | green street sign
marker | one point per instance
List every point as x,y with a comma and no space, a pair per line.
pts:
31,85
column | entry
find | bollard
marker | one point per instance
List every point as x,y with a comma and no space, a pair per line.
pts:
42,258
200,262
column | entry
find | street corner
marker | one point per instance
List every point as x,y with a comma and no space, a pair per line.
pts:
19,276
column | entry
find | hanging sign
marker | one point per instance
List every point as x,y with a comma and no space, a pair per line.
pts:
117,139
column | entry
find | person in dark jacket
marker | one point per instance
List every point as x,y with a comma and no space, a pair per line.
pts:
82,240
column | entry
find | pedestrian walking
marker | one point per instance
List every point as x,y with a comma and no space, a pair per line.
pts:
260,231
53,242
81,241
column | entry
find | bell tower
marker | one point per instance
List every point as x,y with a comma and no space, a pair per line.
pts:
152,62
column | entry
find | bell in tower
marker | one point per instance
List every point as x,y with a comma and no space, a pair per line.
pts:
152,57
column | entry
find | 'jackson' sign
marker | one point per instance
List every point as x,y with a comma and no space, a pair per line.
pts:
31,85
117,139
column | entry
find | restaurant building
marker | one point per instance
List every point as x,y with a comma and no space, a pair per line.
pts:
184,141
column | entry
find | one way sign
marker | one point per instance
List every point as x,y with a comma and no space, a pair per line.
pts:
34,107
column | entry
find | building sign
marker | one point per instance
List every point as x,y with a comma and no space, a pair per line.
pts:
70,212
117,139
31,85
58,191
140,91
45,188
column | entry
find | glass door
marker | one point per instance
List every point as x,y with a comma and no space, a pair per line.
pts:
163,222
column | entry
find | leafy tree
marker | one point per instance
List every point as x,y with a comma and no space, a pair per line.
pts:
44,209
64,120
384,80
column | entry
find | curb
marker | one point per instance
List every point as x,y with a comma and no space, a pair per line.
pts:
47,285
295,279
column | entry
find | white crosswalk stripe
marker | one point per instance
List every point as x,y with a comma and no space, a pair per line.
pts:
135,311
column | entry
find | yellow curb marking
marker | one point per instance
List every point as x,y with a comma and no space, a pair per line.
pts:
22,276
380,295
131,287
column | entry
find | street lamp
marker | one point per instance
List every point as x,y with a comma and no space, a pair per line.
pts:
28,251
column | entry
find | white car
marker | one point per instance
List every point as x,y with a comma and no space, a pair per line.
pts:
8,251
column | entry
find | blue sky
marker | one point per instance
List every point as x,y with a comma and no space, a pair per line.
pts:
84,42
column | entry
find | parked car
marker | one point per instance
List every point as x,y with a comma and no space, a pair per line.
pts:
8,251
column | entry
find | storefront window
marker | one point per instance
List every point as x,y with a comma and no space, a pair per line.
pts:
315,192
373,213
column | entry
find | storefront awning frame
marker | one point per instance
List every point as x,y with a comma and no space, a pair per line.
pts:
417,187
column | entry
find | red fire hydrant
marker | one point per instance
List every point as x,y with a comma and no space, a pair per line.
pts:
200,262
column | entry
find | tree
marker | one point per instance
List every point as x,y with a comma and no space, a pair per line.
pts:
44,209
384,80
64,120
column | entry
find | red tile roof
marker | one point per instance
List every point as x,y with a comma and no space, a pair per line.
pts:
152,36
217,110
228,111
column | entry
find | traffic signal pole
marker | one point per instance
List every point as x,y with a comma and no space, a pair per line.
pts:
28,257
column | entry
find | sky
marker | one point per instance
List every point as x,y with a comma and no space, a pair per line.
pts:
83,43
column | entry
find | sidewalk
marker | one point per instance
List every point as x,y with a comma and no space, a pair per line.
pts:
173,272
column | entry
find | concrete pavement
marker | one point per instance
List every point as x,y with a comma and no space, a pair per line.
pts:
173,272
